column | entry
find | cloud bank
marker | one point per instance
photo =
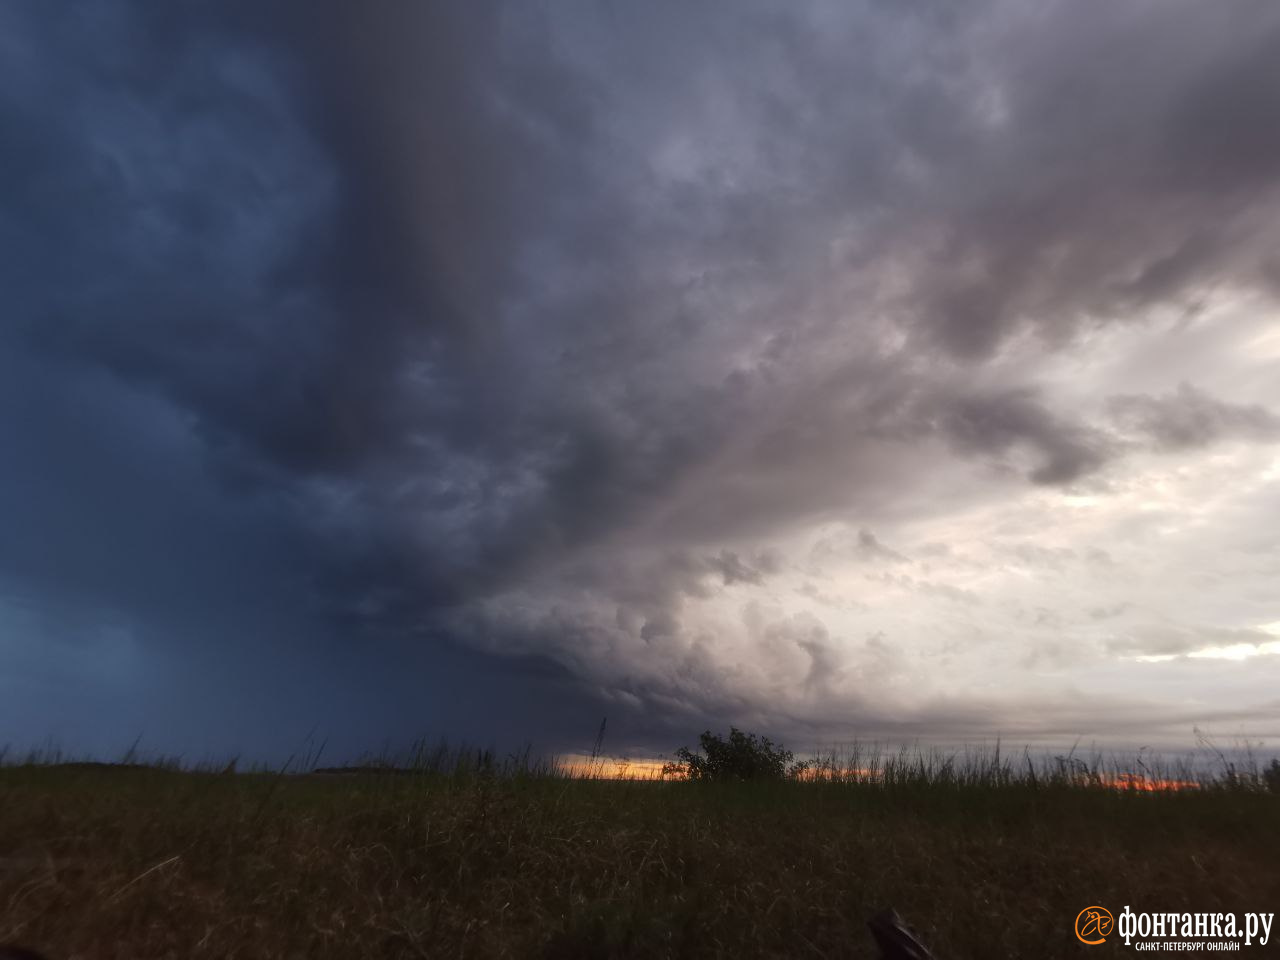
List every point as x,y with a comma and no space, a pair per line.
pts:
893,369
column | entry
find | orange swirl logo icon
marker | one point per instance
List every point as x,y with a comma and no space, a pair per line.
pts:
1093,924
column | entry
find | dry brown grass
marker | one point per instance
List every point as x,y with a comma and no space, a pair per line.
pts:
104,863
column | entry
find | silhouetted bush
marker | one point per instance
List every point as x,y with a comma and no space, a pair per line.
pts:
1272,775
743,756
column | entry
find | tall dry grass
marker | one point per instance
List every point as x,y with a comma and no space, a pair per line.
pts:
442,852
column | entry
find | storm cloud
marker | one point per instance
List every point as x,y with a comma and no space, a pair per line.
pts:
470,368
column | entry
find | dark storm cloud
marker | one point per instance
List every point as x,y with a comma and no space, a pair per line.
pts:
996,424
1124,164
1190,418
733,569
202,448
516,327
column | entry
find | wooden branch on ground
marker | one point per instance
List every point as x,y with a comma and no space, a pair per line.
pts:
895,939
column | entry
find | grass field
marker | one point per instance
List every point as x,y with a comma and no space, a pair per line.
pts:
469,861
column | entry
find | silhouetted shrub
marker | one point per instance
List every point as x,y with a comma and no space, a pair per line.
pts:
743,756
1272,775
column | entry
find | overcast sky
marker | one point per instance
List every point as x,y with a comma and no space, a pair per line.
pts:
898,369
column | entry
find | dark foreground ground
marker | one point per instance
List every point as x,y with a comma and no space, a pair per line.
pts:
136,863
